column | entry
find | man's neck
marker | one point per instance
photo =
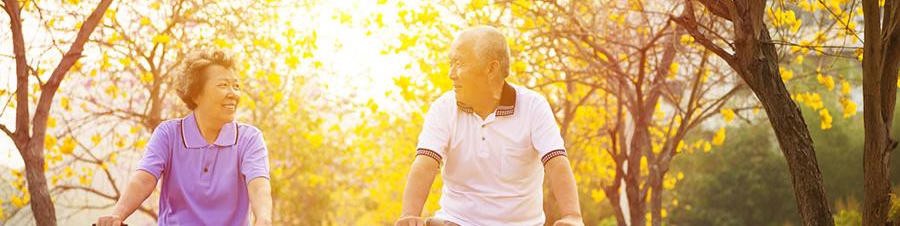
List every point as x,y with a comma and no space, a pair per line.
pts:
486,108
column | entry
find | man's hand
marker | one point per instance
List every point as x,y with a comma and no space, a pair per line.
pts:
569,221
110,220
410,221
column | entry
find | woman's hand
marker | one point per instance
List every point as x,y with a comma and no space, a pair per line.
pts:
261,222
110,220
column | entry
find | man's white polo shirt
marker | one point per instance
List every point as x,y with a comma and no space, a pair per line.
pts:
493,168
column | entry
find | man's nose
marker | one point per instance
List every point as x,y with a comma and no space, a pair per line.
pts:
453,75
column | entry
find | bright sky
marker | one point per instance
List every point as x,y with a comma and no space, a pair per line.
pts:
356,67
359,67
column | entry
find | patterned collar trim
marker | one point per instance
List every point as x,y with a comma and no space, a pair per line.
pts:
507,106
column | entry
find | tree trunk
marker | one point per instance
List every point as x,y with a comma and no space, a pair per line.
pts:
617,151
29,134
880,66
796,144
790,129
640,145
613,195
656,188
41,204
756,62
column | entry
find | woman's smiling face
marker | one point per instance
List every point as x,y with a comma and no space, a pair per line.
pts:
220,94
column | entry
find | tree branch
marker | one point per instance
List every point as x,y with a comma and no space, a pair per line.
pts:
689,23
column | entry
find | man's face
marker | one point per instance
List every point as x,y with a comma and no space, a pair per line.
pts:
470,74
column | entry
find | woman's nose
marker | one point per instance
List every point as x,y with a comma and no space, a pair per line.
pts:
234,91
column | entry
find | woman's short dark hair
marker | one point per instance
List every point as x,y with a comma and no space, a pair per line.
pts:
189,74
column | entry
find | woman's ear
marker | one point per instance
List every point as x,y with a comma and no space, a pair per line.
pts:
196,97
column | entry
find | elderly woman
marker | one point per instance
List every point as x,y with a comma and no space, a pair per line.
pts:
213,169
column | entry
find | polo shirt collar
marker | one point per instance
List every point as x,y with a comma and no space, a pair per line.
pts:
507,106
192,138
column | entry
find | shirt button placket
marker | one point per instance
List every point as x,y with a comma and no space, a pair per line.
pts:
206,156
482,147
483,127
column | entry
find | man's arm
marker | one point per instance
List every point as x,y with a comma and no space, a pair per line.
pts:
562,183
260,191
421,176
139,188
432,142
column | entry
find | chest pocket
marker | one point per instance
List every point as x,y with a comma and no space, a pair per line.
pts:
518,163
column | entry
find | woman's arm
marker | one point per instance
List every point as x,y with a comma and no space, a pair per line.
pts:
139,188
260,190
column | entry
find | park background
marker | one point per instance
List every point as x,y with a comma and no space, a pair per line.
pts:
339,89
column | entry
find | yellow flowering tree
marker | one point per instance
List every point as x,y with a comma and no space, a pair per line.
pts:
650,84
96,138
28,134
767,44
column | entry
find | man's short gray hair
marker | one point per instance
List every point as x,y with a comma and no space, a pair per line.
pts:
490,44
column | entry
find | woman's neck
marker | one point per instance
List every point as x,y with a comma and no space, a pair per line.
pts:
209,127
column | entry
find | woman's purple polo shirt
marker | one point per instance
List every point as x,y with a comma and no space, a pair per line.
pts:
205,184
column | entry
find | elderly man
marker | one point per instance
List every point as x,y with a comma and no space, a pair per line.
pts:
495,141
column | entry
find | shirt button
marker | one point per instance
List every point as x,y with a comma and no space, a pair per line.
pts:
205,170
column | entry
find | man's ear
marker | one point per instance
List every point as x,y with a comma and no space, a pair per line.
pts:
493,70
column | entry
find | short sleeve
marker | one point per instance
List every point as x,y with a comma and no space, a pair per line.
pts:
545,136
156,155
435,135
255,160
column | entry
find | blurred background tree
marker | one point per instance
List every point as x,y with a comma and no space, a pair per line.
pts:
339,89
